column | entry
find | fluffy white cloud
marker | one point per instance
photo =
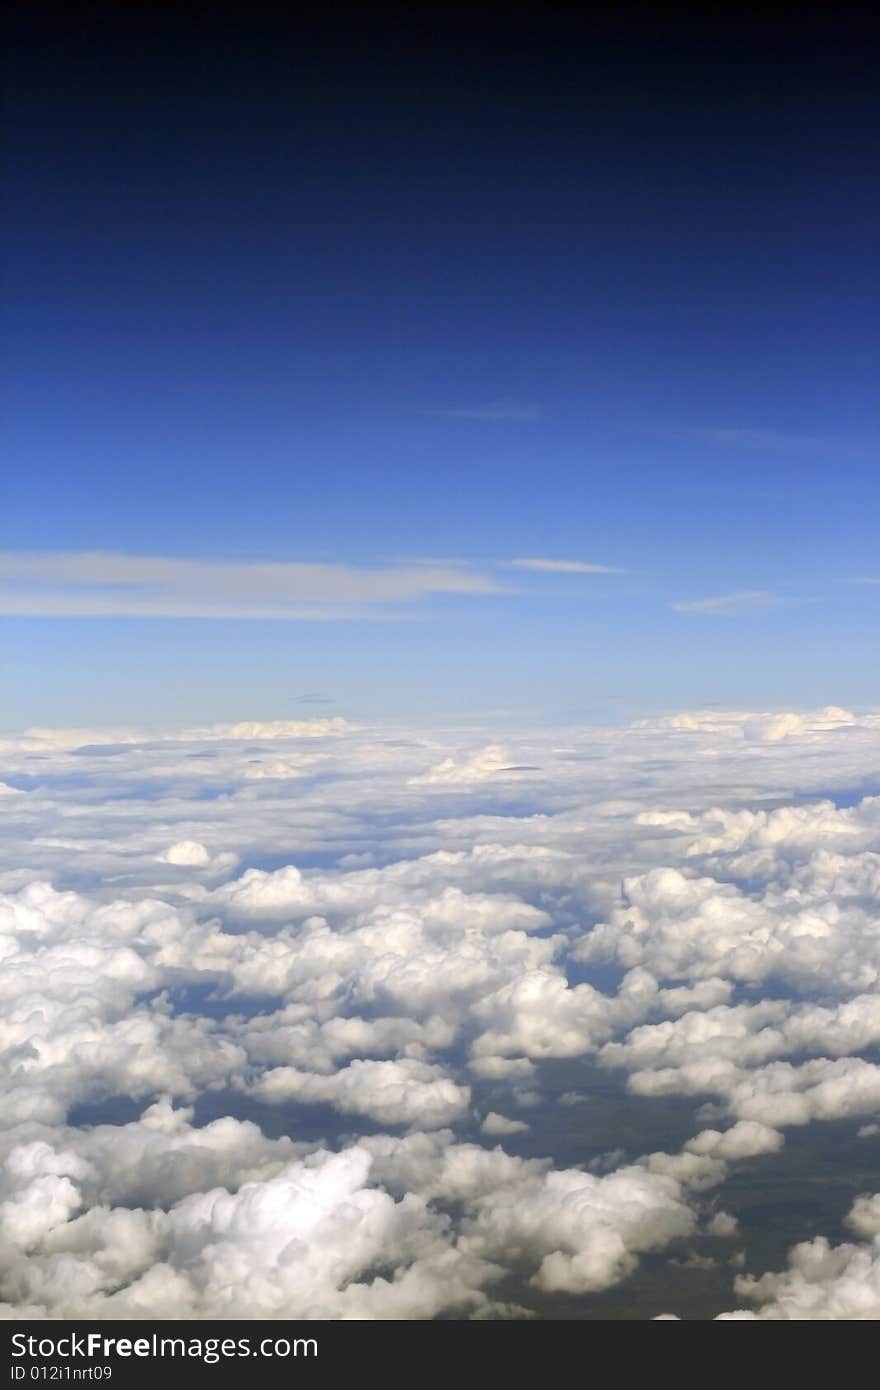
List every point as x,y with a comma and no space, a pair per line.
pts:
307,1242
315,1235
745,1139
491,761
261,917
818,928
494,1123
573,1231
404,1092
582,1233
188,852
822,1282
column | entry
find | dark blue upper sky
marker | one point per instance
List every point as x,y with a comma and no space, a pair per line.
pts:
363,295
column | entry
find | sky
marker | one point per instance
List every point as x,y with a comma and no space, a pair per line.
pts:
511,368
439,761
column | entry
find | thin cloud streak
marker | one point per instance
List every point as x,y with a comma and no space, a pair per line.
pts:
724,605
541,566
97,583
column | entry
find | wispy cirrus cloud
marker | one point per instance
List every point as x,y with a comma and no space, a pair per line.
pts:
729,605
866,579
105,583
548,566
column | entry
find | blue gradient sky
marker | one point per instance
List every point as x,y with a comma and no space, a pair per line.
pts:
586,294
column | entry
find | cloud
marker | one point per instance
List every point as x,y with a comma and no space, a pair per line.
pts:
723,605
253,729
306,1242
573,1231
540,566
500,1124
52,740
723,1225
208,933
405,1092
745,1139
766,726
491,761
699,929
73,1027
98,583
822,1282
581,1232
187,852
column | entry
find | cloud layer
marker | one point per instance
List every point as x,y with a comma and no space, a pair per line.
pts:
310,1015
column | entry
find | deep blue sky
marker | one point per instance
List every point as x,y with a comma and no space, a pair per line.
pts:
590,292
